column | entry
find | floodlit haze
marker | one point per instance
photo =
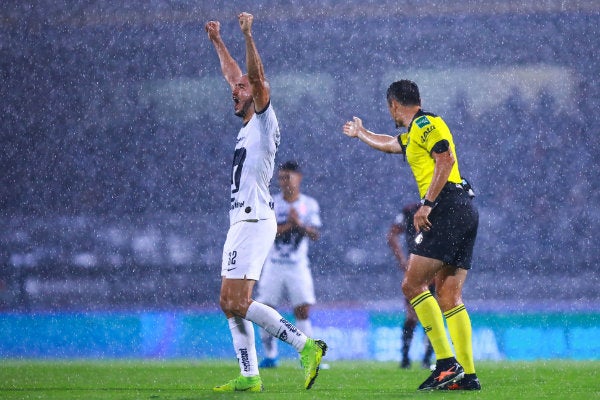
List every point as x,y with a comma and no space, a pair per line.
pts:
118,131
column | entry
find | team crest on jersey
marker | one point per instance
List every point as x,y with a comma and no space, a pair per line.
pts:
422,121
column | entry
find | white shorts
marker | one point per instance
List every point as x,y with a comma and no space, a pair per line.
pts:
246,248
295,278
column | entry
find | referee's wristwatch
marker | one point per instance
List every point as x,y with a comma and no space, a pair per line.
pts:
425,202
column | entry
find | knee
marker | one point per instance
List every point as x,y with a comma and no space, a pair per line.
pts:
224,304
410,290
233,306
302,312
448,300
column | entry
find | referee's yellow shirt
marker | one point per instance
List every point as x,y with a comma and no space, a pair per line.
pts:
423,133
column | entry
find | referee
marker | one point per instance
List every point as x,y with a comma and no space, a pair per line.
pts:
446,224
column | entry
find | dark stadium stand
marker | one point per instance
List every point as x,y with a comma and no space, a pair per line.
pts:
117,137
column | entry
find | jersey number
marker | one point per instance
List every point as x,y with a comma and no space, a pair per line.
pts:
232,256
236,174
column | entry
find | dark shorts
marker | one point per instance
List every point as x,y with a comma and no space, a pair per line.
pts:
452,235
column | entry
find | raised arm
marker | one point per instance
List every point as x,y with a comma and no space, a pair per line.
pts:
229,67
385,143
256,73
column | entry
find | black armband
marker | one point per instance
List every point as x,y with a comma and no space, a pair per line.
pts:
441,147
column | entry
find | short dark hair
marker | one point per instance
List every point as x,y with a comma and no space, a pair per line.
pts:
404,92
290,166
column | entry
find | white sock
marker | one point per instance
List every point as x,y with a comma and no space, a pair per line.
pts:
305,325
242,332
271,321
269,344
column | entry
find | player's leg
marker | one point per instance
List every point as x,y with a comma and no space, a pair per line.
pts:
270,319
270,292
251,243
466,220
426,362
235,296
449,284
270,348
408,329
302,317
311,351
301,290
245,250
419,274
415,287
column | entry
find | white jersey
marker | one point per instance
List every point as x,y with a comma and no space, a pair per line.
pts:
291,247
253,165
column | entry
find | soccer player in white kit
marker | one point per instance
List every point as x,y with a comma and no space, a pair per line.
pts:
252,219
287,267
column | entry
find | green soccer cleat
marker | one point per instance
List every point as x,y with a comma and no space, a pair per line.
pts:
241,384
311,356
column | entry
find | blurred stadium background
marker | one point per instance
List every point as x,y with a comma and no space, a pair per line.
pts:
117,132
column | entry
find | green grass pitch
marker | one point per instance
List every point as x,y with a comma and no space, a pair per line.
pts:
363,380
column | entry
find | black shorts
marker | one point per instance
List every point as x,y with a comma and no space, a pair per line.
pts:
454,222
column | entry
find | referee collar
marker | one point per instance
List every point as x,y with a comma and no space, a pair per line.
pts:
419,113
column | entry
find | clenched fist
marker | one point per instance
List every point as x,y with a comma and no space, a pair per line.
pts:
245,22
213,29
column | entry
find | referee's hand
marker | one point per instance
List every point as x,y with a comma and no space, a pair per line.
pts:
351,128
421,219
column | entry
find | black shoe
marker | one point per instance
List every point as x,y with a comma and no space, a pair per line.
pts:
468,382
446,371
405,363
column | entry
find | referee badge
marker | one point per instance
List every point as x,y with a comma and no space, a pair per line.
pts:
419,238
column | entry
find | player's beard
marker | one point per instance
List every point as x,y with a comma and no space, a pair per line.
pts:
242,112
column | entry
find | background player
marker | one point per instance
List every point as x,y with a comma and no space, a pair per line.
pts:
287,267
252,220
